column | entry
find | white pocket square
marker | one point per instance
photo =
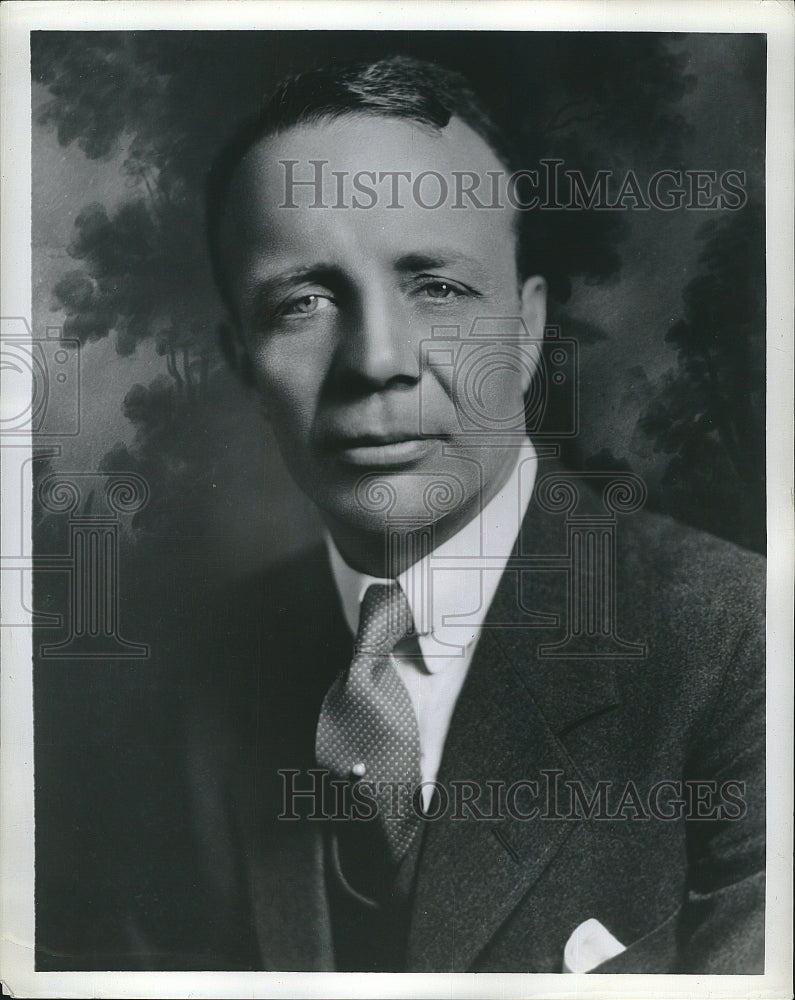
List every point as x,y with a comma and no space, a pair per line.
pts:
589,946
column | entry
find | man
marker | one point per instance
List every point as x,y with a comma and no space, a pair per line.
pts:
497,722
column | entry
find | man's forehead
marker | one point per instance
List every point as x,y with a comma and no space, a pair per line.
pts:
366,187
400,160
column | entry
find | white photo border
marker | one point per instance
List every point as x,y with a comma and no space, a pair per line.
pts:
773,18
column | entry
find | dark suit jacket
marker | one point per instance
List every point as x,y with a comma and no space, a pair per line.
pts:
682,894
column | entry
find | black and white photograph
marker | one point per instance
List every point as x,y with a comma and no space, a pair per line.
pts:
397,531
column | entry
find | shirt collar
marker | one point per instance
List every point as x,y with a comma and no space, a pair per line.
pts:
448,581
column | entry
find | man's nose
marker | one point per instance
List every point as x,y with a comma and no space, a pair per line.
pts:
378,346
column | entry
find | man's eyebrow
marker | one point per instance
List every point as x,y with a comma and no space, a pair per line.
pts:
423,260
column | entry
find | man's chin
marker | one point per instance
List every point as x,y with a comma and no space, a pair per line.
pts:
386,501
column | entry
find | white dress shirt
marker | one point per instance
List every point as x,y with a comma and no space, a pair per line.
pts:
449,594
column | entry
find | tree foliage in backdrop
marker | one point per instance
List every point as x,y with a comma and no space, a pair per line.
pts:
160,103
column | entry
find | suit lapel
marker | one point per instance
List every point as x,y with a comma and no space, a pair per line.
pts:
506,729
509,726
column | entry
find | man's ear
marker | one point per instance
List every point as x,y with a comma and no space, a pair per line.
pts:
533,297
234,349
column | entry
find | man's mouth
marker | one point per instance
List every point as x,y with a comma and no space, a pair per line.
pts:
382,450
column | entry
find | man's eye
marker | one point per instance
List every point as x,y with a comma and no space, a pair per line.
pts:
307,305
442,290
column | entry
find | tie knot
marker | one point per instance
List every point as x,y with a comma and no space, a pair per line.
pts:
384,619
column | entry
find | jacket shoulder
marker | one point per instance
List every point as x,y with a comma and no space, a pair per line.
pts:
685,568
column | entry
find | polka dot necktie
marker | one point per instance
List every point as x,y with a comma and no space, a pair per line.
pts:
367,727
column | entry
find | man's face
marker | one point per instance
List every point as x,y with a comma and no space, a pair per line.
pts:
337,307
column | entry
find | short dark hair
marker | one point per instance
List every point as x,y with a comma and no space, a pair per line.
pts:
398,87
